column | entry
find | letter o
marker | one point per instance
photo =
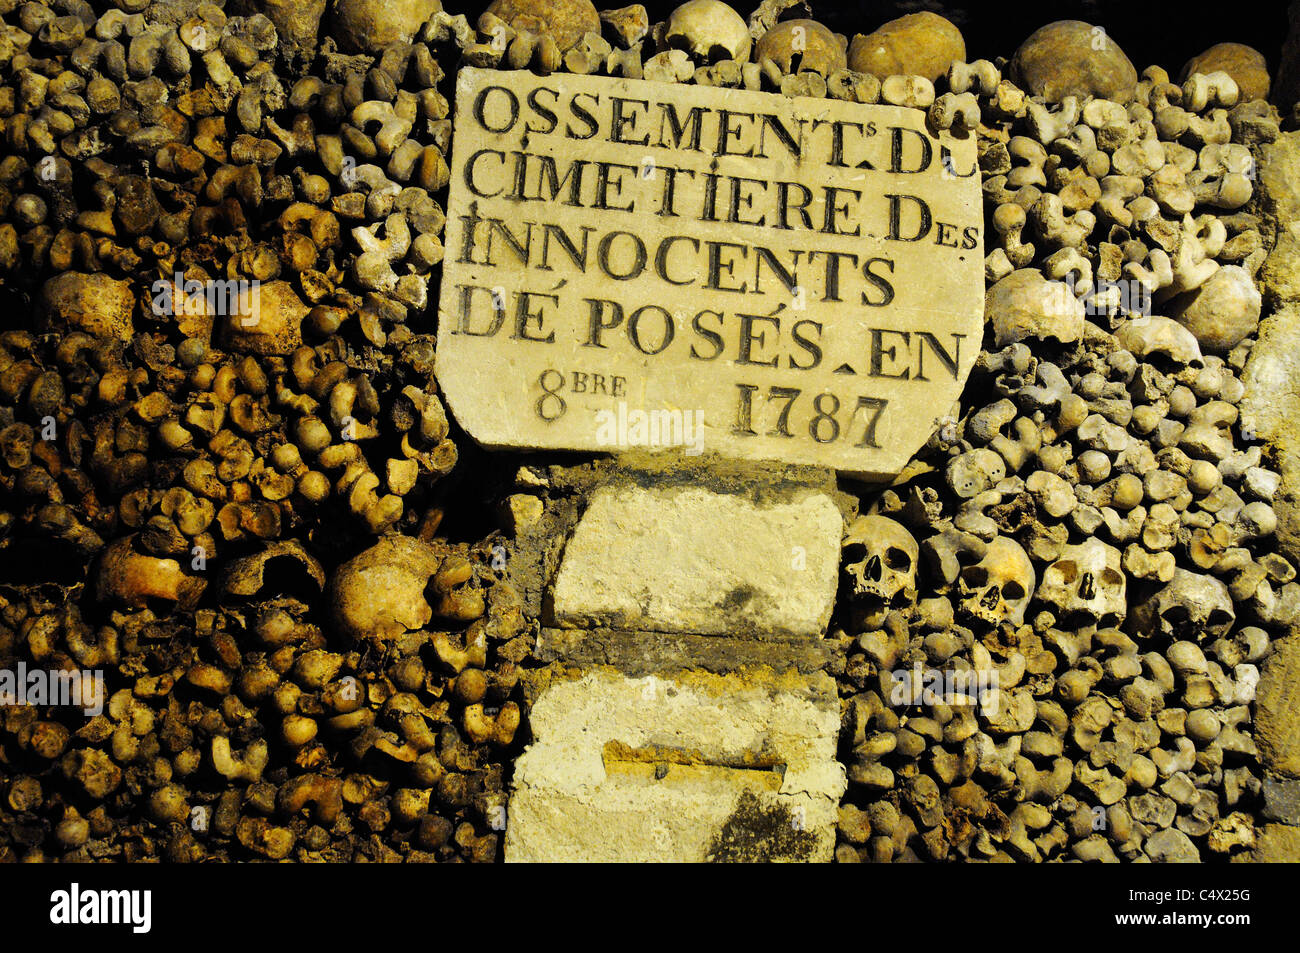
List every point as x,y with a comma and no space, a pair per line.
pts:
634,328
480,108
638,265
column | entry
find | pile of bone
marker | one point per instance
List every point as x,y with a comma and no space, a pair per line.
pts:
1093,538
1090,531
235,515
182,482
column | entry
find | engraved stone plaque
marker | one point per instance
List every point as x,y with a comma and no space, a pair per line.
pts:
636,265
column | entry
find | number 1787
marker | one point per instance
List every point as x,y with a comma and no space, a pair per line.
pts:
823,425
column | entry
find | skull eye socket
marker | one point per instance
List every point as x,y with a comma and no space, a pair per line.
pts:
855,552
895,558
1013,591
1218,618
716,52
976,577
1176,616
1110,577
1067,569
679,41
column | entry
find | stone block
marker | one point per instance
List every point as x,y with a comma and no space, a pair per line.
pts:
689,768
689,559
1282,800
663,266
1277,709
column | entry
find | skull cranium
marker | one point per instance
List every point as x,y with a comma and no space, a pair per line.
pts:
380,594
1087,582
709,30
797,46
880,558
1192,606
998,587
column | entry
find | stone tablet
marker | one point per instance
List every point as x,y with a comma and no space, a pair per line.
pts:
636,265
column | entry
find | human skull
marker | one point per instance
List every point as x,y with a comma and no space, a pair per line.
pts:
380,594
1193,607
564,21
709,31
278,569
880,559
998,587
798,46
1086,581
1152,335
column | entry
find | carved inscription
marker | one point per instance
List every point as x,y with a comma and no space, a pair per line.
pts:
634,264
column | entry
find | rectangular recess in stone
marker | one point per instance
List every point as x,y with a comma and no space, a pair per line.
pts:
692,767
689,559
636,265
641,653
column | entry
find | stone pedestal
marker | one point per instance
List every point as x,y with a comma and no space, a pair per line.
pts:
682,767
685,716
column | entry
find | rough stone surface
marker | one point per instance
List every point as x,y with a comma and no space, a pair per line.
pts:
1271,405
1277,709
646,653
688,768
1222,312
370,25
670,322
1282,800
924,44
1243,63
1073,58
1279,197
1277,844
1271,408
687,559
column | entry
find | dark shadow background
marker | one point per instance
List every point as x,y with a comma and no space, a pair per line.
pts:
1152,32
